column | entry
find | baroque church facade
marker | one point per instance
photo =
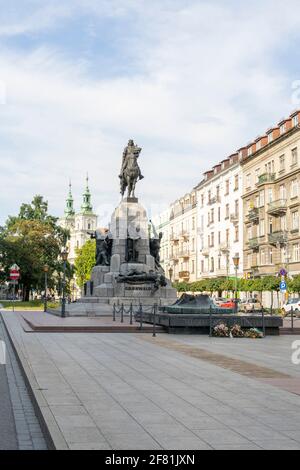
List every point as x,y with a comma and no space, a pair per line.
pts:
80,224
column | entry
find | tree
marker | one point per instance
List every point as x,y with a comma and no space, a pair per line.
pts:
85,261
33,239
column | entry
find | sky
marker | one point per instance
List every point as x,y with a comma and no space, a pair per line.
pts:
190,81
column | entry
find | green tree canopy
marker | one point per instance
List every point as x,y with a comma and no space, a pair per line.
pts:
85,261
33,239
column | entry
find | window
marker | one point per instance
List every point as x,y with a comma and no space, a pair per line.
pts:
294,156
212,216
193,266
219,214
282,191
236,182
248,180
89,226
202,266
261,198
193,223
270,137
218,193
212,264
283,222
270,256
202,200
262,228
281,163
209,196
282,129
295,220
270,225
236,207
295,120
249,233
258,145
269,167
250,151
227,236
227,211
296,252
236,233
249,260
219,238
270,195
294,191
219,262
212,239
257,173
226,187
262,254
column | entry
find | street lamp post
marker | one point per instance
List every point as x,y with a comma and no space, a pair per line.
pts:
46,269
236,262
64,256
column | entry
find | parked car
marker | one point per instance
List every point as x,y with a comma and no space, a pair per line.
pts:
229,303
251,305
292,304
219,301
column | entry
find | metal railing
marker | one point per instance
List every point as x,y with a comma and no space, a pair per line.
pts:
136,312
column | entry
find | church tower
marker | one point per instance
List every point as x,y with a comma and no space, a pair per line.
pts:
80,224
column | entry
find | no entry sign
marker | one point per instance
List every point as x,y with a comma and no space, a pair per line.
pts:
14,273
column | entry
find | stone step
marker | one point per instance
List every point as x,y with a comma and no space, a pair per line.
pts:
289,331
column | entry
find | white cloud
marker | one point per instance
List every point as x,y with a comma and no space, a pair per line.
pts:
205,82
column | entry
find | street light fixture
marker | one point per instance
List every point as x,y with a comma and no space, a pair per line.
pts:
46,269
64,256
236,262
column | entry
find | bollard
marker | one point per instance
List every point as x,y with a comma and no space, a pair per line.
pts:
210,322
131,308
292,318
154,321
122,313
263,323
114,312
141,317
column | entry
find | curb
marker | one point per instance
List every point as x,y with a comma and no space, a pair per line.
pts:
53,436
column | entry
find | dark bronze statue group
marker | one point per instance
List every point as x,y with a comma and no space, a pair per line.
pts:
129,175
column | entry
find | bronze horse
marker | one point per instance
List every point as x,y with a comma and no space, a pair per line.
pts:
131,171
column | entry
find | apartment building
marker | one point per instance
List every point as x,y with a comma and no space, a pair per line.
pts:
220,215
179,248
270,168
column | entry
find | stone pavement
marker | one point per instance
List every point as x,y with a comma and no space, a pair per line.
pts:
19,426
132,391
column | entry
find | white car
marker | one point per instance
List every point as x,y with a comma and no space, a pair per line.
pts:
292,304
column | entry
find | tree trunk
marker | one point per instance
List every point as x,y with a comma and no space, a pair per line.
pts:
26,293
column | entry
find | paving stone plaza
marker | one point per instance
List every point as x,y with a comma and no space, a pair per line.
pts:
132,391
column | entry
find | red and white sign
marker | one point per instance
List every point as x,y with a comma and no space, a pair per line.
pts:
14,273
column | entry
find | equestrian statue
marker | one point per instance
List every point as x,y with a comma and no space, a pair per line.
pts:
130,172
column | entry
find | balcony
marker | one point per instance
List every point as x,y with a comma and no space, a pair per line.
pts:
174,238
184,254
278,238
224,247
184,234
174,257
184,274
265,178
253,243
253,215
205,251
234,218
278,207
213,200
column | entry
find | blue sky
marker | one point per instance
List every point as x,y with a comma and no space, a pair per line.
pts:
190,81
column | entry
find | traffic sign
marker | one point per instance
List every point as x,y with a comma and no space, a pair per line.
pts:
283,286
283,272
14,272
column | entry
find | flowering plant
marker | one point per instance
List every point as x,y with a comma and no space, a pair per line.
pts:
221,330
253,333
237,332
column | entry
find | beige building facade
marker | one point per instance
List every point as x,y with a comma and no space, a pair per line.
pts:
179,244
271,200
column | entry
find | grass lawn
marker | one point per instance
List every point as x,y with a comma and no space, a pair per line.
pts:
37,305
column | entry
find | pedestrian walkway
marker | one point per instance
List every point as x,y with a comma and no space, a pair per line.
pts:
19,426
131,391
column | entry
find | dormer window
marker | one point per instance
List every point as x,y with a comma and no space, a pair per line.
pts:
282,129
296,120
258,145
270,137
249,151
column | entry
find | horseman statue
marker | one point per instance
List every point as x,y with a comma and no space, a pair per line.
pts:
130,171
